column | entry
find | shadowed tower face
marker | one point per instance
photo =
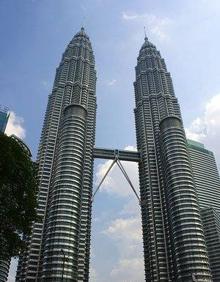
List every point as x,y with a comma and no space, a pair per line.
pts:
174,246
59,244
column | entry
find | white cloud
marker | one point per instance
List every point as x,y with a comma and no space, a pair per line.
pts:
15,126
129,270
130,148
127,235
111,82
45,84
130,208
130,17
129,227
206,128
115,182
197,130
93,275
158,26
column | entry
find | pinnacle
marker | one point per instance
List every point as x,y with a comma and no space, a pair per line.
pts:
81,32
145,35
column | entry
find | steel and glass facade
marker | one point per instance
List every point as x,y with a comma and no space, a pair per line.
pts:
4,264
174,245
4,269
206,175
59,247
211,223
4,115
207,183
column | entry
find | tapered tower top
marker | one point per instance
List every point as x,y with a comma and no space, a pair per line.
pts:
147,43
77,46
81,38
81,33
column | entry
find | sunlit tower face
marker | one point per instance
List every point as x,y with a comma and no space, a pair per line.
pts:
174,246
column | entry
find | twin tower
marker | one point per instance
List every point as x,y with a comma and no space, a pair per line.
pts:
173,238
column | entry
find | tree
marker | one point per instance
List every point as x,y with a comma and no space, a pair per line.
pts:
18,193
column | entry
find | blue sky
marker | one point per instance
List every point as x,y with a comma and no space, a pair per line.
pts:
34,34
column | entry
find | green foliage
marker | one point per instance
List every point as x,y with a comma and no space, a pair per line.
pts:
18,189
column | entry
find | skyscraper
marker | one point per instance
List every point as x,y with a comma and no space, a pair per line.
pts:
207,183
4,264
211,224
174,245
59,245
4,269
4,115
206,175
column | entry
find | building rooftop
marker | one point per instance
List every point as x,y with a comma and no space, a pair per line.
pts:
198,146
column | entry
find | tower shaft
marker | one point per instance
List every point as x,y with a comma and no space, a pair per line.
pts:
174,246
65,172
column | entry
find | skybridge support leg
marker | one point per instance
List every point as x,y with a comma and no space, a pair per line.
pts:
118,162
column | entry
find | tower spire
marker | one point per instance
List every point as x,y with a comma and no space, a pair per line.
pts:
145,34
